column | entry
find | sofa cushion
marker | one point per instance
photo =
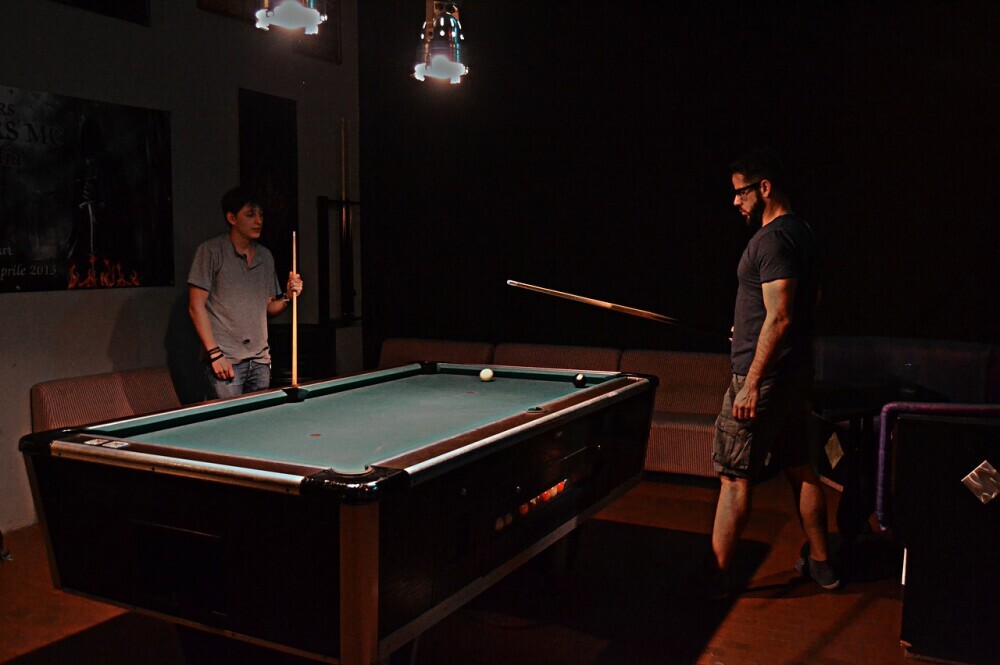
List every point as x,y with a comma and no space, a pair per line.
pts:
690,382
681,443
149,389
82,400
398,351
562,356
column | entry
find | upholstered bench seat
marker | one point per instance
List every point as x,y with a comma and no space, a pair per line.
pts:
681,443
81,400
398,351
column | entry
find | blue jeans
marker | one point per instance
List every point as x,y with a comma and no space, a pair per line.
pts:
250,376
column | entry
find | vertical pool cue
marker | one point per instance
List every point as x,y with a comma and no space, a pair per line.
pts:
295,323
346,236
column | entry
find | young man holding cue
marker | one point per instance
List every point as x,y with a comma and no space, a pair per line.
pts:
233,289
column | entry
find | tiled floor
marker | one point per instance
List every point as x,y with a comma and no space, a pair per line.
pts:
623,602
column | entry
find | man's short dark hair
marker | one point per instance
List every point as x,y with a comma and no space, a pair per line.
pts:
237,197
761,164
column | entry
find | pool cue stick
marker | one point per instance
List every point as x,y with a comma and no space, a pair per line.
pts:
295,323
596,303
623,309
345,238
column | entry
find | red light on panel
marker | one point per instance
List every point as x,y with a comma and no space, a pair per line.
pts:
504,521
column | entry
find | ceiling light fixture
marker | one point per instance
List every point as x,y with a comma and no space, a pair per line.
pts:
291,14
440,53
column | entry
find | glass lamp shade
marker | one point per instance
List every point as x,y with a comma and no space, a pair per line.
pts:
440,54
291,14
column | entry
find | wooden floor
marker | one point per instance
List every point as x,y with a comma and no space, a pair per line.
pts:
623,601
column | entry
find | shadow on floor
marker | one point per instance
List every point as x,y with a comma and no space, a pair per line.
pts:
124,640
624,599
627,599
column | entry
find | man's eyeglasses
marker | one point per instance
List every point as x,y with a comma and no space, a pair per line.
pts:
743,191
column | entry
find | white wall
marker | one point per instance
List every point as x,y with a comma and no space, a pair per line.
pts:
191,63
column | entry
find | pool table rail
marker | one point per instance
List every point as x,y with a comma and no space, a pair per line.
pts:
440,457
109,443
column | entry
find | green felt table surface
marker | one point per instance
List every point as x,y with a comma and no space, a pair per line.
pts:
350,424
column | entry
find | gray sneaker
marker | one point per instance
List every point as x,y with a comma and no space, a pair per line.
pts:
821,572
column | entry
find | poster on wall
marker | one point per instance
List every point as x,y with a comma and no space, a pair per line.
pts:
85,194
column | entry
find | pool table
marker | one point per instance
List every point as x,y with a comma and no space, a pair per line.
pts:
338,519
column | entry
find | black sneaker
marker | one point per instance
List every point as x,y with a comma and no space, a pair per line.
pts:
821,572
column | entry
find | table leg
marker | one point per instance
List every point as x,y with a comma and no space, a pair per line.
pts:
359,547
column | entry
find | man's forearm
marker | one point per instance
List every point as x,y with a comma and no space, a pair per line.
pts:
771,333
199,317
276,306
203,327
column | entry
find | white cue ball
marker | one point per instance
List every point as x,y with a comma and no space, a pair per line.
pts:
486,374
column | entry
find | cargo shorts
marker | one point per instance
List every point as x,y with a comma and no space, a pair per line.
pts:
778,435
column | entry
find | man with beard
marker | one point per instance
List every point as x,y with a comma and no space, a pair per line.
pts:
765,410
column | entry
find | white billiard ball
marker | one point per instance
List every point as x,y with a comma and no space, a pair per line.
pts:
486,374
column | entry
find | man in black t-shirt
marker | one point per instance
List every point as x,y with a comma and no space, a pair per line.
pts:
765,411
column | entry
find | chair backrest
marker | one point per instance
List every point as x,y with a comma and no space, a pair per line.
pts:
87,399
891,413
404,350
558,356
690,382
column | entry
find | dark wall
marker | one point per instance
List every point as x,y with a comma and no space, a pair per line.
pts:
587,151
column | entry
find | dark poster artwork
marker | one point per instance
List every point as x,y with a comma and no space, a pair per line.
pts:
85,194
136,11
269,164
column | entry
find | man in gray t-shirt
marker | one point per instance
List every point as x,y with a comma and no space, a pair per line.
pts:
233,289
